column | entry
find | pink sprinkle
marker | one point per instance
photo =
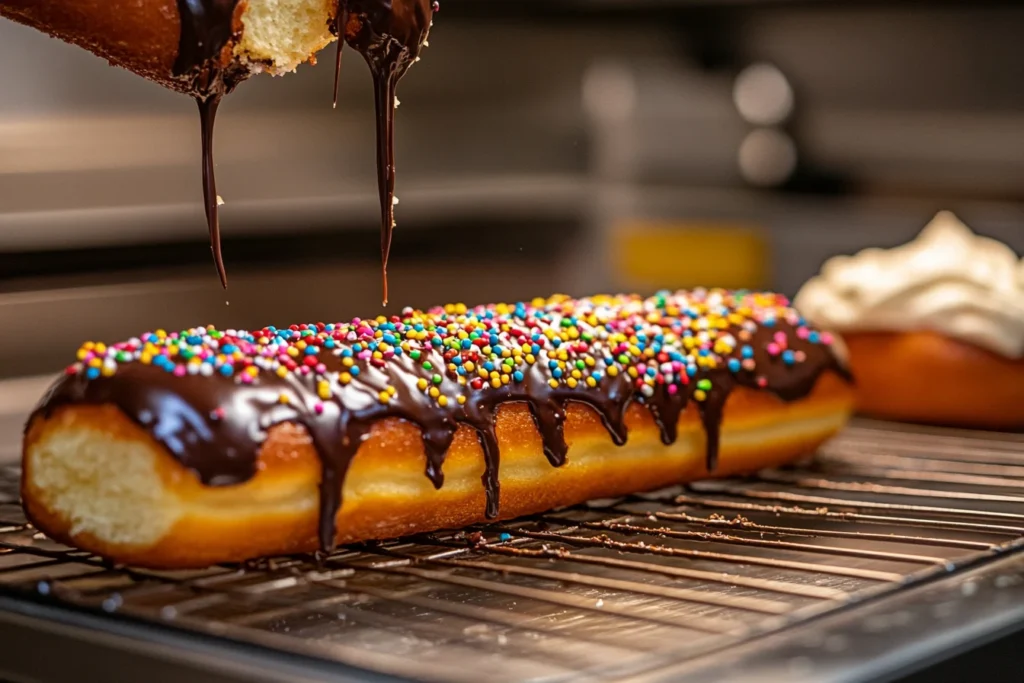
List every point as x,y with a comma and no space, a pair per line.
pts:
748,364
826,338
762,382
321,368
673,389
800,356
246,379
88,357
179,371
319,408
780,339
351,336
802,332
363,355
773,349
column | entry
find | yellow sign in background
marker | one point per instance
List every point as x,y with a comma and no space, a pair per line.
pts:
679,255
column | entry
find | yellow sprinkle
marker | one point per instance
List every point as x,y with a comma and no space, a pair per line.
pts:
632,372
108,371
571,382
89,346
384,397
345,378
391,390
442,401
505,379
483,373
494,374
300,345
95,363
530,358
613,370
292,351
470,366
282,371
576,374
378,355
434,392
82,353
461,400
146,358
283,398
590,361
591,382
347,362
324,391
161,334
421,384
553,383
496,383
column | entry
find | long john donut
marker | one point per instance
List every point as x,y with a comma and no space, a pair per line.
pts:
202,446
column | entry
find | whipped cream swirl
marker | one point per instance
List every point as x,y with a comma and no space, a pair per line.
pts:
948,280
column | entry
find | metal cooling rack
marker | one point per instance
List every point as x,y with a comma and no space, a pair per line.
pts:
858,561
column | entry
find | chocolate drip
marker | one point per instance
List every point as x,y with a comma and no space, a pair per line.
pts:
211,202
389,34
206,28
340,22
216,425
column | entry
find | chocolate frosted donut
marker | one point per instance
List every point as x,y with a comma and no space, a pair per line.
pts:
160,450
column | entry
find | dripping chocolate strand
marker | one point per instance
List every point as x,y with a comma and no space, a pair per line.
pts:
211,201
384,98
206,27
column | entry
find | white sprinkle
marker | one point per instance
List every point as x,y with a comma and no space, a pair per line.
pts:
397,103
205,369
220,201
394,201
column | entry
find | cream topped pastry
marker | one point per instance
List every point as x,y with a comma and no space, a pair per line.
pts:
933,329
948,280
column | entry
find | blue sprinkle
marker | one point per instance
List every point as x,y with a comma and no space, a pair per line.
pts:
467,344
598,376
691,370
734,365
535,349
436,341
557,373
458,360
346,353
226,369
814,337
651,372
373,346
329,343
398,350
768,322
92,373
517,376
504,537
354,370
493,339
389,338
418,327
488,366
787,357
357,348
747,352
557,341
229,348
461,370
552,364
311,350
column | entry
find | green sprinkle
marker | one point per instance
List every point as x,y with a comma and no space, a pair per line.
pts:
580,365
704,385
428,365
436,379
415,355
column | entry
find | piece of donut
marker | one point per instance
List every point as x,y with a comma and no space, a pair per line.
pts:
934,328
930,378
146,36
400,425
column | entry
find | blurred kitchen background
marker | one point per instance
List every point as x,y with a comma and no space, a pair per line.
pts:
542,146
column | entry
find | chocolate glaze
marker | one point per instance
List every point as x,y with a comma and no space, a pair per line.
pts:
389,34
206,28
215,426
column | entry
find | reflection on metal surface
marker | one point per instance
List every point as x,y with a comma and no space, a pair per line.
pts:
644,587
